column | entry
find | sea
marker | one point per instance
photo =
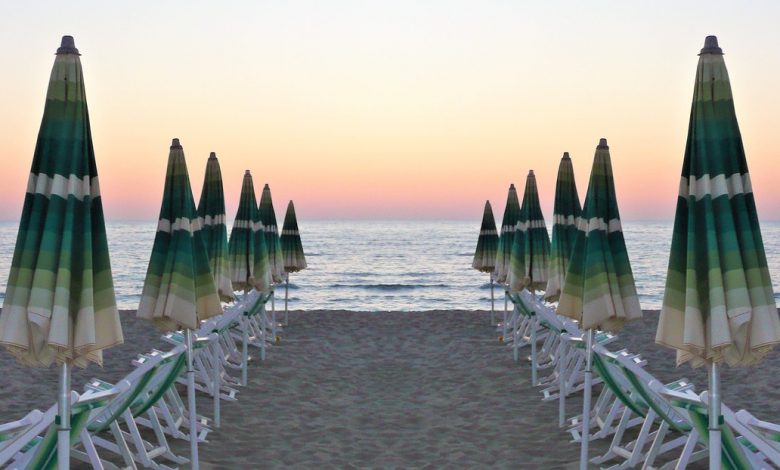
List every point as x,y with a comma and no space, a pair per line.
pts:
372,265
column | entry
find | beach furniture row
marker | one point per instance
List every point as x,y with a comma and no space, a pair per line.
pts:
128,424
667,423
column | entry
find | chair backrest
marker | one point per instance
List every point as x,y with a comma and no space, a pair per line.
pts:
45,454
170,367
137,381
613,379
732,456
640,380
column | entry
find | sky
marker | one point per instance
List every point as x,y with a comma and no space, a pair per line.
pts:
393,109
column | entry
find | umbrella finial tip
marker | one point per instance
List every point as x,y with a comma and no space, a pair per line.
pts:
711,46
213,155
247,173
266,186
67,46
603,143
566,155
512,186
175,143
530,172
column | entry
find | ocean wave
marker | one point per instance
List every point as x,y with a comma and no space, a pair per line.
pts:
388,287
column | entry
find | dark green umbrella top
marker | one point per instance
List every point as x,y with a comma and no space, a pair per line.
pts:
211,214
292,248
59,304
508,228
718,302
566,216
271,230
179,290
487,243
599,288
249,265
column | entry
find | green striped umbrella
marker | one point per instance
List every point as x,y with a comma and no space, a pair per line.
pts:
292,251
272,242
211,214
718,303
485,254
536,239
599,289
515,276
241,248
179,290
59,304
508,227
566,215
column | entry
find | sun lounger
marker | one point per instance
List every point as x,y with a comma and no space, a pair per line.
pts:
738,450
36,447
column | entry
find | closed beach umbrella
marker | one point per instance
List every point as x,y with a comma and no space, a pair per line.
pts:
718,302
273,246
485,254
505,240
59,304
508,227
241,248
292,250
536,240
272,242
179,289
515,275
211,215
566,215
599,289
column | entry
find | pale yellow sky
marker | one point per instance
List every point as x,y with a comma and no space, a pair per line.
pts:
389,109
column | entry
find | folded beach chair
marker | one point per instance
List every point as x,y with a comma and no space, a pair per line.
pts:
154,376
769,432
624,374
741,448
10,431
36,447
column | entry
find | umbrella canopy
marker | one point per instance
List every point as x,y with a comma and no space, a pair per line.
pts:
566,216
292,249
59,303
272,242
599,288
487,243
179,289
536,240
718,303
241,248
508,227
211,215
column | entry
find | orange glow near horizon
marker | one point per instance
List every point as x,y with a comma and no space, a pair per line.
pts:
390,110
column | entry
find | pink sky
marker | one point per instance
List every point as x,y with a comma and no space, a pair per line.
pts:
390,110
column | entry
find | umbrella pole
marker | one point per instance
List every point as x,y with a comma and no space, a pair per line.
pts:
273,312
63,410
286,294
506,301
585,435
191,404
715,417
492,302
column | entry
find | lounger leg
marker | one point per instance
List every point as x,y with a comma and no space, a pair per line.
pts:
89,447
533,352
245,351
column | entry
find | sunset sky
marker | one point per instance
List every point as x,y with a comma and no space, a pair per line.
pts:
394,109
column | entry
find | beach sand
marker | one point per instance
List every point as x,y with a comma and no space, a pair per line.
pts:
389,390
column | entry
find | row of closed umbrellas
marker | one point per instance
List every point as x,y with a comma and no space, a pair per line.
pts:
718,304
60,304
